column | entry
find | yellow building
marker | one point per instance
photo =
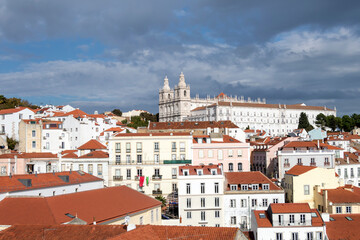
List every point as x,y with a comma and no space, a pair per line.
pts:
30,135
300,182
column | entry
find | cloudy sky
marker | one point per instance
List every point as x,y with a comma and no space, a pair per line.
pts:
106,54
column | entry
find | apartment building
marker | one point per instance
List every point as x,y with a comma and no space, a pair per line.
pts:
10,119
201,195
221,149
306,153
285,221
245,192
149,162
348,168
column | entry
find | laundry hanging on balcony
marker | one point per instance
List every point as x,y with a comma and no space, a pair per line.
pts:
141,181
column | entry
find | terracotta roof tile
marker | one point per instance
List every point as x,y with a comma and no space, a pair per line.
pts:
341,228
70,155
68,151
44,180
298,170
249,178
290,208
95,154
111,203
38,155
13,110
308,144
193,169
191,125
155,134
346,194
91,145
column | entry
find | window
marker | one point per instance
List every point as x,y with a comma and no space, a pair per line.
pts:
302,218
141,220
139,158
216,187
188,202
230,153
239,153
33,144
292,218
338,209
188,189
239,166
233,187
217,214
173,146
275,200
358,172
157,158
202,187
90,169
157,172
156,147
139,147
33,133
173,156
210,154
306,190
99,169
217,202
186,172
202,201
281,219
244,187
182,156
351,172
173,172
220,154
243,203
318,235
117,147
294,236
309,236
264,202
233,220
182,147
232,203
128,173
231,167
174,187
128,147
255,187
348,209
203,216
81,167
117,159
253,202
20,116
128,159
139,172
152,216
265,186
299,161
188,215
201,154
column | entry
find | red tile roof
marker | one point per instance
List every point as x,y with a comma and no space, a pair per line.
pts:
225,139
308,144
91,145
9,155
77,113
13,110
298,170
60,232
44,180
38,155
249,178
70,155
193,169
345,194
104,205
95,154
342,228
152,232
154,134
290,208
68,151
114,129
191,125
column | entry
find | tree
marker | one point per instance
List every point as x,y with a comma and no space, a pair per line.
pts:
304,122
117,112
11,143
331,122
162,199
321,120
124,121
348,123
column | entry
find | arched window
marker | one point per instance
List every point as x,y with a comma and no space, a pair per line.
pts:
231,167
169,96
239,166
185,93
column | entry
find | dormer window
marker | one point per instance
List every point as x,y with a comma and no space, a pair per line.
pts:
244,187
255,187
200,172
233,187
213,171
265,186
186,172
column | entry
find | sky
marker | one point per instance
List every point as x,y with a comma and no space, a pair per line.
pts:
106,54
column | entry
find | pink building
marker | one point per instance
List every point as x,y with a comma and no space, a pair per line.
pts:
221,149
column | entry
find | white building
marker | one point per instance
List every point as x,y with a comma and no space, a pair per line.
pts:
348,168
276,119
307,154
149,162
245,192
285,221
10,119
48,184
201,195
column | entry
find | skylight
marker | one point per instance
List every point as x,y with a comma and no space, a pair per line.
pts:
349,218
262,215
69,215
313,214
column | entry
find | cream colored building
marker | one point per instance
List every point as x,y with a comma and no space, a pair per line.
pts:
153,158
30,132
300,182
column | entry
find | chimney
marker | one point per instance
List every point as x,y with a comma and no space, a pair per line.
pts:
347,160
94,222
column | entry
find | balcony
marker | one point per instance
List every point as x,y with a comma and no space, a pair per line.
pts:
156,177
157,192
118,178
299,163
137,178
326,163
286,165
174,176
313,164
173,149
177,161
117,163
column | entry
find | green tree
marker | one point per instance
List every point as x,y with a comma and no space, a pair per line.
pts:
11,143
162,199
117,112
348,123
331,122
304,122
321,120
124,121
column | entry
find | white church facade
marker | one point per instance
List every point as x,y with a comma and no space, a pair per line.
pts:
176,105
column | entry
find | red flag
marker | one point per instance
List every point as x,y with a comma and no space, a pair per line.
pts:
141,181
